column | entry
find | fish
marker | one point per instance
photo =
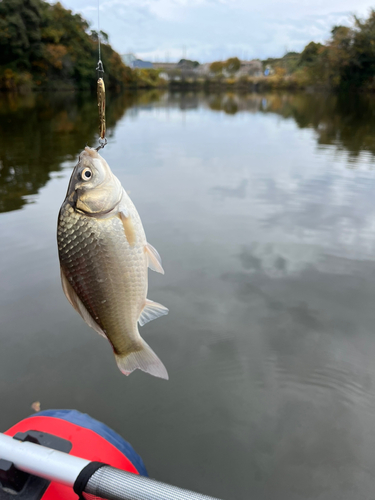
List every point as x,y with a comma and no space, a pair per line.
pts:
104,259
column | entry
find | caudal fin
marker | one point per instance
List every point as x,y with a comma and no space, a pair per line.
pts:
145,360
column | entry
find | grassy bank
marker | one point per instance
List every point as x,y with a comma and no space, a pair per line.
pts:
247,84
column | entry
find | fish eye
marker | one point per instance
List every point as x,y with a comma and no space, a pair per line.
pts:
86,174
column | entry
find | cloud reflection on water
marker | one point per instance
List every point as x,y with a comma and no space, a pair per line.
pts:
268,245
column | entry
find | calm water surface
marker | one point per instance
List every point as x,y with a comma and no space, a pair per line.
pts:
262,208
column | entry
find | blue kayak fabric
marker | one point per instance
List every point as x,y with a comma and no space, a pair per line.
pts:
84,420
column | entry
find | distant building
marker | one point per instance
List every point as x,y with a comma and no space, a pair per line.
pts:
178,71
250,68
269,71
247,68
204,69
165,66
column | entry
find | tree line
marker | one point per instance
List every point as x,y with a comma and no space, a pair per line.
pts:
345,62
48,47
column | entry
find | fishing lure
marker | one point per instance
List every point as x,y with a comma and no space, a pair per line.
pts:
101,106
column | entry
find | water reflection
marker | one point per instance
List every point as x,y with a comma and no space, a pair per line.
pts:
268,243
346,121
38,132
231,192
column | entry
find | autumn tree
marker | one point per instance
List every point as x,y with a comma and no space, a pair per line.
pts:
232,65
310,53
360,47
217,67
55,48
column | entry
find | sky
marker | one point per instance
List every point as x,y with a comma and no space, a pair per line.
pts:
208,30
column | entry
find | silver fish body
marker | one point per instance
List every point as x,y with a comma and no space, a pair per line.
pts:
104,259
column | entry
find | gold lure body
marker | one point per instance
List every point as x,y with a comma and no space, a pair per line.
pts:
101,106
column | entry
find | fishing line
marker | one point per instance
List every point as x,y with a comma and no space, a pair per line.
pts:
99,68
101,91
99,27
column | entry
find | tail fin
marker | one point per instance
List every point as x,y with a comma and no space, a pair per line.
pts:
145,360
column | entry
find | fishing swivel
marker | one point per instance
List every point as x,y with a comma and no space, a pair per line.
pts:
100,69
102,143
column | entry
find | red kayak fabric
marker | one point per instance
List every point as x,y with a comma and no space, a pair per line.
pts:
85,444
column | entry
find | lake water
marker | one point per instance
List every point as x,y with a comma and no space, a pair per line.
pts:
263,210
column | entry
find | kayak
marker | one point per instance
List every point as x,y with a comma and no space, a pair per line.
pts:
74,433
65,455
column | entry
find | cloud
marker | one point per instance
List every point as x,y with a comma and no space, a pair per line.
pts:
215,29
224,192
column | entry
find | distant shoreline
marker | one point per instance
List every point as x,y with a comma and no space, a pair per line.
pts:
243,84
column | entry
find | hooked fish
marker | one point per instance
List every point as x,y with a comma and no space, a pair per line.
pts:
104,256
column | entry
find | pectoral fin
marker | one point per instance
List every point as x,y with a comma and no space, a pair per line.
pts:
151,310
153,259
123,210
77,304
128,227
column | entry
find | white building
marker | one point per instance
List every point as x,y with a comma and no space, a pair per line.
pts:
251,68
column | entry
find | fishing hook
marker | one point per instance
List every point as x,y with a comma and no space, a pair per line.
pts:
102,143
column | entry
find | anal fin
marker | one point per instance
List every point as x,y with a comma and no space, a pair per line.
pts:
151,310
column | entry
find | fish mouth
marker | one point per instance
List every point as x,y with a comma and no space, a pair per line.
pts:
91,152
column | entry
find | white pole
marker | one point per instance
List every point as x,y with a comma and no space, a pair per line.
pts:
41,461
107,482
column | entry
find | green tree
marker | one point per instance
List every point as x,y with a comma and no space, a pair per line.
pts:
50,47
310,53
20,41
348,58
360,67
217,67
188,62
232,65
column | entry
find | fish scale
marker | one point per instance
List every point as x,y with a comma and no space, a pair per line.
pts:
84,245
